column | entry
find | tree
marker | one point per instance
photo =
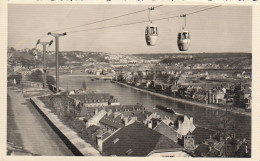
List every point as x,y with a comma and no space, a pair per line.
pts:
150,76
120,78
50,80
12,49
36,76
17,77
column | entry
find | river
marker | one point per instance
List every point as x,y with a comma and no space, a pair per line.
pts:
210,118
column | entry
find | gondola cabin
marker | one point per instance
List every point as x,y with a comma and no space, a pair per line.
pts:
151,34
183,40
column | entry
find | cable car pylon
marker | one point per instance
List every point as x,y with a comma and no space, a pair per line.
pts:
57,35
44,58
151,31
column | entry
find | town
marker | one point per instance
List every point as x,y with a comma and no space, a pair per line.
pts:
151,80
102,122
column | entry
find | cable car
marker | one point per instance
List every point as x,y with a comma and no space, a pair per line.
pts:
151,34
183,40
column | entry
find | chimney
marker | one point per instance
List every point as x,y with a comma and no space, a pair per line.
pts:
179,123
191,120
99,142
150,124
96,111
109,112
210,148
125,121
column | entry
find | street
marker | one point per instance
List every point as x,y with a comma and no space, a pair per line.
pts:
36,135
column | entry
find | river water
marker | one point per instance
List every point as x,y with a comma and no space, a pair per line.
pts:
205,117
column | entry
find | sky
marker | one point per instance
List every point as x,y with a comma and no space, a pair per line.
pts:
222,29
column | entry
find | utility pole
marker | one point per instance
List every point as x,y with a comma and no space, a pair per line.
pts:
57,35
44,59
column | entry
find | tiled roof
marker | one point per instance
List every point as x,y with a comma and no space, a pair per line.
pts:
141,115
119,108
136,140
98,116
112,122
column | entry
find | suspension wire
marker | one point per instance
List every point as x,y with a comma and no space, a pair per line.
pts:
126,24
99,21
185,15
175,12
187,9
158,19
202,10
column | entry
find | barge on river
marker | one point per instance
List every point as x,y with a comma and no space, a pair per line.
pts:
164,108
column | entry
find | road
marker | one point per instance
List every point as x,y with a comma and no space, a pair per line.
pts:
36,135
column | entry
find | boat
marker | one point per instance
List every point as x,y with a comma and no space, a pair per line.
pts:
164,108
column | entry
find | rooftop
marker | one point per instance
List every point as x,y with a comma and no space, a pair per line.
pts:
136,140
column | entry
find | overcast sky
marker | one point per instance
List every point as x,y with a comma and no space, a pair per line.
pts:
223,29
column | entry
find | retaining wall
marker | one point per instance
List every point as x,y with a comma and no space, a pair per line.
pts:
77,145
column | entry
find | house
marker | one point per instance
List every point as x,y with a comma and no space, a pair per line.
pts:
137,140
112,121
95,99
184,126
218,97
247,98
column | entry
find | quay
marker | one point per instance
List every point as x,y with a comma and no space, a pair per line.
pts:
186,101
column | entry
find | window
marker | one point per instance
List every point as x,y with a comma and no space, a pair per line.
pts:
116,140
179,36
129,151
153,30
186,35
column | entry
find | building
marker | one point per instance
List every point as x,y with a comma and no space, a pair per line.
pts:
167,129
137,139
95,99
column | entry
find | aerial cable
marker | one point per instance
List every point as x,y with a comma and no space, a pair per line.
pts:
99,21
185,10
126,24
175,12
201,10
158,19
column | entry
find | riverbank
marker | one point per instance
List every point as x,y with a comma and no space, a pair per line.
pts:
186,101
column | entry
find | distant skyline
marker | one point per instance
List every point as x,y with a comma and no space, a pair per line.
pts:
222,29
